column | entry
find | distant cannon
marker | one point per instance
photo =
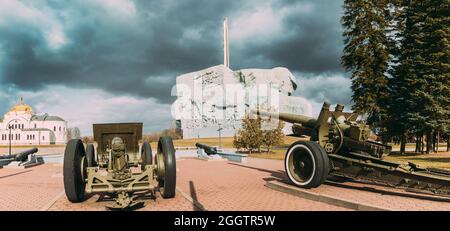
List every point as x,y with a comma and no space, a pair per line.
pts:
208,149
206,152
23,156
20,157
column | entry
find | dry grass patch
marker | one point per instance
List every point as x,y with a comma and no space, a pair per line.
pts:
434,160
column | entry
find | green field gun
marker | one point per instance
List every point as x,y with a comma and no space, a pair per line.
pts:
21,156
208,149
340,145
119,166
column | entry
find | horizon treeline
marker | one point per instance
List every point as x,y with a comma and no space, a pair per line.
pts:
397,52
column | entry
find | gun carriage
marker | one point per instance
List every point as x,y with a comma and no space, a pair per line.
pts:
118,166
339,145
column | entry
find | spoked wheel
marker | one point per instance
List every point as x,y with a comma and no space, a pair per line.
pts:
74,170
146,155
90,156
166,167
307,164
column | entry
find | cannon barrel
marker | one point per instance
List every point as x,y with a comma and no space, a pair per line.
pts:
208,149
305,121
22,156
4,157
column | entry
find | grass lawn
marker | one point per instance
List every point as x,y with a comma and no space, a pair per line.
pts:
226,142
434,160
274,155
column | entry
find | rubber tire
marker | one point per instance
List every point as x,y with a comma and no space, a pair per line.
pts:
90,156
167,186
74,184
146,155
320,159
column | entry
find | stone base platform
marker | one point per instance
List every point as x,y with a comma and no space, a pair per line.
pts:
332,200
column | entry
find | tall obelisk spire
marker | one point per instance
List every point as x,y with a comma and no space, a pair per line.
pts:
226,51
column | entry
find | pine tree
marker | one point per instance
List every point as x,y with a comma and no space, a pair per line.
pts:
437,68
420,78
366,54
404,76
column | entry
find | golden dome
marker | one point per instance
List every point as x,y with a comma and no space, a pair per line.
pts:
22,107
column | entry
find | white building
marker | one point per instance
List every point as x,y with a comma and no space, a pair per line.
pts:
21,126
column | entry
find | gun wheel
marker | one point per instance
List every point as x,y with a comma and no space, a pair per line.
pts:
146,155
307,164
90,156
166,164
74,171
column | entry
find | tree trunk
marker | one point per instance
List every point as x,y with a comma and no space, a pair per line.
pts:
429,142
433,142
420,139
437,141
448,143
422,145
403,144
421,142
417,143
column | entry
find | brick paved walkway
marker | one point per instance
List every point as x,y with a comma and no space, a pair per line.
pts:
30,189
228,186
227,181
211,185
179,203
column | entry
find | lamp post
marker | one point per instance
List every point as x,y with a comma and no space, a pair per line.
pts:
10,136
220,135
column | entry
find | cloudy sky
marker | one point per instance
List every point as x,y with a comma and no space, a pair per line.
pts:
116,60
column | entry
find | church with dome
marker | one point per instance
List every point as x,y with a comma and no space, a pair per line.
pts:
21,126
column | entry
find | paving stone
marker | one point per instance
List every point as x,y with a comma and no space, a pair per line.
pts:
212,185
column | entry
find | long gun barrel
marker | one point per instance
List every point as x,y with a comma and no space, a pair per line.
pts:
21,156
208,149
290,118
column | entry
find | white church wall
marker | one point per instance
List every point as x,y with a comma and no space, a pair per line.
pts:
19,137
30,129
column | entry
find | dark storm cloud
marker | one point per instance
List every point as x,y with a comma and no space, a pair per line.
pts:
331,88
118,56
142,52
310,41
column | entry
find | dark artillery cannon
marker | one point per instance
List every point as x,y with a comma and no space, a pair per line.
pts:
21,156
118,151
208,149
339,145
